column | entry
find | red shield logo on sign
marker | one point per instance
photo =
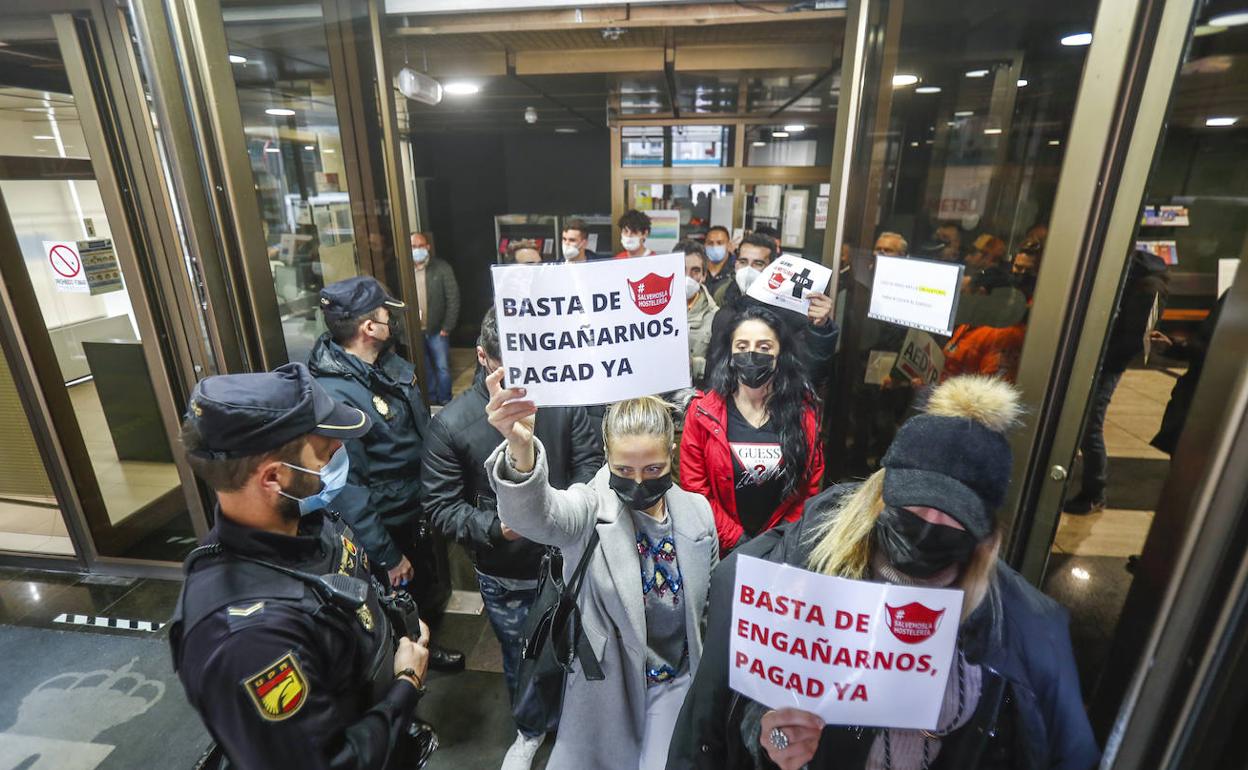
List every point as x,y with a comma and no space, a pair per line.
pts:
652,293
775,280
913,623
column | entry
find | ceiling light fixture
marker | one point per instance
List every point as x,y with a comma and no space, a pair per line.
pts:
1232,19
1221,121
795,128
279,112
236,59
927,90
1054,142
461,88
1080,38
1022,83
992,131
905,80
914,144
779,134
43,137
565,130
309,147
963,113
328,151
272,149
759,144
977,73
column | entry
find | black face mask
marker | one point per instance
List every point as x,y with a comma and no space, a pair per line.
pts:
753,368
919,548
640,495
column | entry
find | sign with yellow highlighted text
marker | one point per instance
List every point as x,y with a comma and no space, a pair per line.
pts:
918,293
852,652
591,333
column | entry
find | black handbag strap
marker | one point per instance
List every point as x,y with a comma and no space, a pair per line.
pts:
589,662
578,575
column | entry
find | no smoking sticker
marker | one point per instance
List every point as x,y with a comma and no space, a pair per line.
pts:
66,265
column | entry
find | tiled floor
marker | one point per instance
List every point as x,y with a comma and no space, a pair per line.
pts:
36,598
1089,570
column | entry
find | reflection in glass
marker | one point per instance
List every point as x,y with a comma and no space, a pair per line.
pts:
701,205
1189,244
285,93
695,145
790,144
962,168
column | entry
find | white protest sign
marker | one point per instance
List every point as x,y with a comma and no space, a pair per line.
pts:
592,333
66,264
921,357
919,293
853,652
788,282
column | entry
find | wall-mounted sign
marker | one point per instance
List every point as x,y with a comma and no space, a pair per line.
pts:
99,262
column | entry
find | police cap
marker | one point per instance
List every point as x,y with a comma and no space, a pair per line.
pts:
353,297
248,414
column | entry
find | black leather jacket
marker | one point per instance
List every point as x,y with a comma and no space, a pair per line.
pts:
457,490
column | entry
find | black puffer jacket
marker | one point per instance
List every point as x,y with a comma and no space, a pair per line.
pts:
458,496
1030,714
385,461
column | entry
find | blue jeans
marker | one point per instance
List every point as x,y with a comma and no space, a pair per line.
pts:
507,610
1095,457
438,367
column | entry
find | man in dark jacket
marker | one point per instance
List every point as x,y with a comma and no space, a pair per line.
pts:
461,503
355,361
438,295
1145,289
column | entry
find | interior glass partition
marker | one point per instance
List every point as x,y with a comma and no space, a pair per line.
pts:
280,61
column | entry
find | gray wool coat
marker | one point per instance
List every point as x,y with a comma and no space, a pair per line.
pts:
603,722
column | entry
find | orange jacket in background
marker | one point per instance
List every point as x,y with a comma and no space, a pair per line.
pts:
990,350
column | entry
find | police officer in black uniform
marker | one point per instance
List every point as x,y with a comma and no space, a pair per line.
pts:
289,649
356,362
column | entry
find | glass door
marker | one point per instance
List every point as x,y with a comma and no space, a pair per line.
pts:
89,467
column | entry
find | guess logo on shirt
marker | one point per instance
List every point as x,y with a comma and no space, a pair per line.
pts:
761,462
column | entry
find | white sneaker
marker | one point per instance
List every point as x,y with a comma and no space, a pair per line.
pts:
520,755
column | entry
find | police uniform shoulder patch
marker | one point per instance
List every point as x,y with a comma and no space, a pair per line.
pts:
346,563
279,690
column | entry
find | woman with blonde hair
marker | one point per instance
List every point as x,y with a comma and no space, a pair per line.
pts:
644,592
926,518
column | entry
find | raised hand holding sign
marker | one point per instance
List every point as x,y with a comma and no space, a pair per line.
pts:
513,418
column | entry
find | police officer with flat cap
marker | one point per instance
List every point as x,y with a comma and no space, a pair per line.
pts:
355,360
289,649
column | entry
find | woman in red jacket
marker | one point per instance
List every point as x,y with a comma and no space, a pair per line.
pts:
750,444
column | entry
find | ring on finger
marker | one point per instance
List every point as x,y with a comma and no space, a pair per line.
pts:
778,739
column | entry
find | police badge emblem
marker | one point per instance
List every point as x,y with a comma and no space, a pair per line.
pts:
366,618
279,691
382,407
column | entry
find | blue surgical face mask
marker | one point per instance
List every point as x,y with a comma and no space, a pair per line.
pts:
333,479
717,254
420,255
